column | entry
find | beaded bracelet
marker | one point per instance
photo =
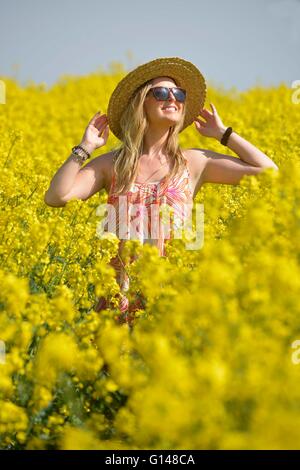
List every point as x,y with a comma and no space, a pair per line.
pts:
85,151
77,158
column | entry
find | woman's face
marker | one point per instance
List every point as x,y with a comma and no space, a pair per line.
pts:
155,110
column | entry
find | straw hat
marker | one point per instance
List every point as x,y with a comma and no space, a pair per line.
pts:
185,74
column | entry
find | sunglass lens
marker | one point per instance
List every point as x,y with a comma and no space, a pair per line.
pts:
179,94
161,93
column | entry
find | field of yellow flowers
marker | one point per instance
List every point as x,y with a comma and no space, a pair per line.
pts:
209,363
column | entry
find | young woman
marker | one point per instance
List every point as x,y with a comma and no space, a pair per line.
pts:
147,111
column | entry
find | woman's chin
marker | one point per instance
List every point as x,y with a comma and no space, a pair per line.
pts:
173,119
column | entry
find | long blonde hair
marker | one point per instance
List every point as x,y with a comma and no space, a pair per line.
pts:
134,124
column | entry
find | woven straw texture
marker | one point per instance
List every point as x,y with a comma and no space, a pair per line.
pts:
185,74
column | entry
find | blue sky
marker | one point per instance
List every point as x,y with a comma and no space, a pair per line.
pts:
235,43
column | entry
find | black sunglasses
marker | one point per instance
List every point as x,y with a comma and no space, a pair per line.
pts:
162,93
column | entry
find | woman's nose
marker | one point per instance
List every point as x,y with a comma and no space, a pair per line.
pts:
171,96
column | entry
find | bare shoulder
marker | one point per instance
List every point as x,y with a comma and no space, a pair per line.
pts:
196,159
103,164
110,160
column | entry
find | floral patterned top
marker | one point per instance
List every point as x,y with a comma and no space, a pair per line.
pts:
139,214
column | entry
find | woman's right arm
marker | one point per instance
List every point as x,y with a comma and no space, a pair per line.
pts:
73,181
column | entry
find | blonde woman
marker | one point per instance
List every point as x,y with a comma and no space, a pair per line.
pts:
147,110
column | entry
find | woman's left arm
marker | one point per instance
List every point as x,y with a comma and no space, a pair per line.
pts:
220,168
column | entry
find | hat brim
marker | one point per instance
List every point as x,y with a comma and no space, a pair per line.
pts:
185,74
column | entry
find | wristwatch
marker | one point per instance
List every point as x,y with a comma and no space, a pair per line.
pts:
80,152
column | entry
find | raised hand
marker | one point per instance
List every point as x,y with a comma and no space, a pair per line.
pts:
212,126
92,138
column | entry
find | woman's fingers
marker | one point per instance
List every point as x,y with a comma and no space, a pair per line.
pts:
205,112
201,122
94,118
104,132
97,119
100,122
105,129
213,108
